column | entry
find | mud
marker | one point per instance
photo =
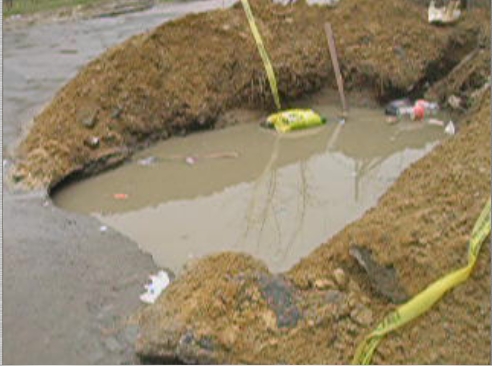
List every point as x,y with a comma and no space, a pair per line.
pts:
247,186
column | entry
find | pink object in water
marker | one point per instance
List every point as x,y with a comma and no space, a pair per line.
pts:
120,196
418,111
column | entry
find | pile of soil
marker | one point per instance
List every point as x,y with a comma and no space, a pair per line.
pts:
228,308
184,74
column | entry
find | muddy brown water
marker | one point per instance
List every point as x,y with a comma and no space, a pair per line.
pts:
244,188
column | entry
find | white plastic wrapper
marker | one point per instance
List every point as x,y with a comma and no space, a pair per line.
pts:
159,282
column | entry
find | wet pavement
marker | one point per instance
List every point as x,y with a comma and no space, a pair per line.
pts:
67,288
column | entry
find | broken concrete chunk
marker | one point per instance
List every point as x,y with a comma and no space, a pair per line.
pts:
384,279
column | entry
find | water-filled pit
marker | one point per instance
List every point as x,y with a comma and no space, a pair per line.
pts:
244,188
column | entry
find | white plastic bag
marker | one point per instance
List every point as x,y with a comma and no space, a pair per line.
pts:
158,283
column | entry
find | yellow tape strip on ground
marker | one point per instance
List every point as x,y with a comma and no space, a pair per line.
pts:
427,298
263,53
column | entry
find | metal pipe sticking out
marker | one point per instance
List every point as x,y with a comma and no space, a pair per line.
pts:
336,67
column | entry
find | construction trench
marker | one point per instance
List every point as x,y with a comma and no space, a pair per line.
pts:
186,75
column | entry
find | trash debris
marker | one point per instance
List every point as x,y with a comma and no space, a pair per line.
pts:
294,119
399,107
151,160
416,111
103,228
391,120
331,3
158,284
120,196
225,155
450,129
429,107
435,122
444,15
190,160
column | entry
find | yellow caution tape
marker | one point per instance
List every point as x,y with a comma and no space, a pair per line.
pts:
294,119
427,298
263,53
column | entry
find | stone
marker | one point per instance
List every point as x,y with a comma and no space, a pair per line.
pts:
454,102
323,284
281,299
269,319
383,278
352,300
361,315
89,121
340,278
335,297
353,286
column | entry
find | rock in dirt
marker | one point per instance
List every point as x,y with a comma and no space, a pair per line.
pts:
384,279
90,121
361,315
340,278
454,102
335,297
323,284
280,296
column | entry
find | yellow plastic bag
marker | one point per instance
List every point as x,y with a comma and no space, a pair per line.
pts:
294,119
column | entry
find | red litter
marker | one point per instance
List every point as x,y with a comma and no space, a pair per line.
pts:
120,196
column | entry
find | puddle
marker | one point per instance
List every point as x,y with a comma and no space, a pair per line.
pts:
248,189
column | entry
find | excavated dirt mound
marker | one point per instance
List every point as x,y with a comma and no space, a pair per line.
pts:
184,74
229,309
